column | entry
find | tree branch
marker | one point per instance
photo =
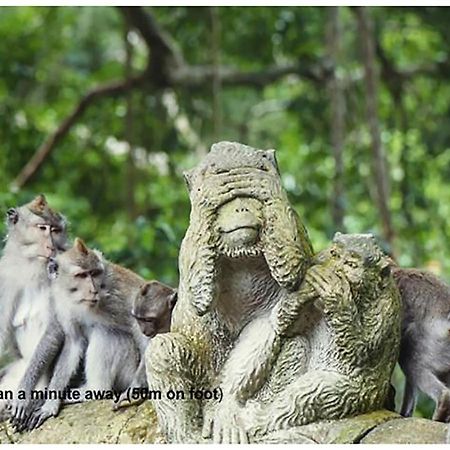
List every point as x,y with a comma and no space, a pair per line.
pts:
165,68
163,52
168,68
108,90
381,172
196,76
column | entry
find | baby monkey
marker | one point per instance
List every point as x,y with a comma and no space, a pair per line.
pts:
425,343
152,308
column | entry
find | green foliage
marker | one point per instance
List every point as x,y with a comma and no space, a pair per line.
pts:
50,57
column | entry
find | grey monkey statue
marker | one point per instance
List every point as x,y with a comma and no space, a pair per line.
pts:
287,342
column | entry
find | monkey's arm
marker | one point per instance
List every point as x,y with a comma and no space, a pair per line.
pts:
8,304
251,359
45,353
65,368
43,356
375,332
259,354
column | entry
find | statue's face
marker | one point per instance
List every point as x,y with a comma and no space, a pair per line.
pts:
239,224
351,263
351,254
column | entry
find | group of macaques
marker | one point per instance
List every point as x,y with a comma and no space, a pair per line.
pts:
72,319
69,317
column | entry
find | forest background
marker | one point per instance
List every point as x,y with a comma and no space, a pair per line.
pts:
103,108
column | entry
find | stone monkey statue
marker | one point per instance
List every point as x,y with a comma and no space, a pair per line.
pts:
251,322
347,310
245,250
425,344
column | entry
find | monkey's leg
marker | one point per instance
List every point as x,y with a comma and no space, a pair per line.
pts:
139,382
409,399
13,373
442,411
65,367
317,395
173,369
111,360
430,384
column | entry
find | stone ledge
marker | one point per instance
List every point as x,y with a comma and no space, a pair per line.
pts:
91,423
96,422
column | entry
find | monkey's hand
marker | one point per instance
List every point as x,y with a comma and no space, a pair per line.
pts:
218,189
241,182
49,409
226,426
124,402
330,287
18,411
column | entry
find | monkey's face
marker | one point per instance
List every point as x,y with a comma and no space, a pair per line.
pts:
37,230
239,224
79,275
355,256
350,263
152,308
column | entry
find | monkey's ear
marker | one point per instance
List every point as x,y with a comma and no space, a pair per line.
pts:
81,246
39,203
187,175
272,158
12,216
385,269
173,299
144,289
52,268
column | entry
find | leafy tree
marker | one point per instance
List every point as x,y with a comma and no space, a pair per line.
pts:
103,108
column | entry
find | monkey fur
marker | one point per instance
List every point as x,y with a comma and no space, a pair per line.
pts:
425,344
34,233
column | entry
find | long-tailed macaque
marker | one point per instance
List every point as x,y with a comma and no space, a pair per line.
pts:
35,233
425,344
94,306
91,318
152,308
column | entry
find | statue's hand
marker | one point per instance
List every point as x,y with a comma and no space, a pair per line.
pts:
329,286
261,185
225,424
218,189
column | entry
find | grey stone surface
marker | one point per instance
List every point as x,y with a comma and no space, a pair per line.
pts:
91,423
408,431
95,422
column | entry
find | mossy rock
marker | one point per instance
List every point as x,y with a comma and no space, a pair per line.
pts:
97,423
92,423
408,431
344,431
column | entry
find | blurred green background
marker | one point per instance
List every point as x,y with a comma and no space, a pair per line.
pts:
355,100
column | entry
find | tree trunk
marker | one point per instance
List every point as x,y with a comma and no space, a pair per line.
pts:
216,81
130,169
337,117
380,167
